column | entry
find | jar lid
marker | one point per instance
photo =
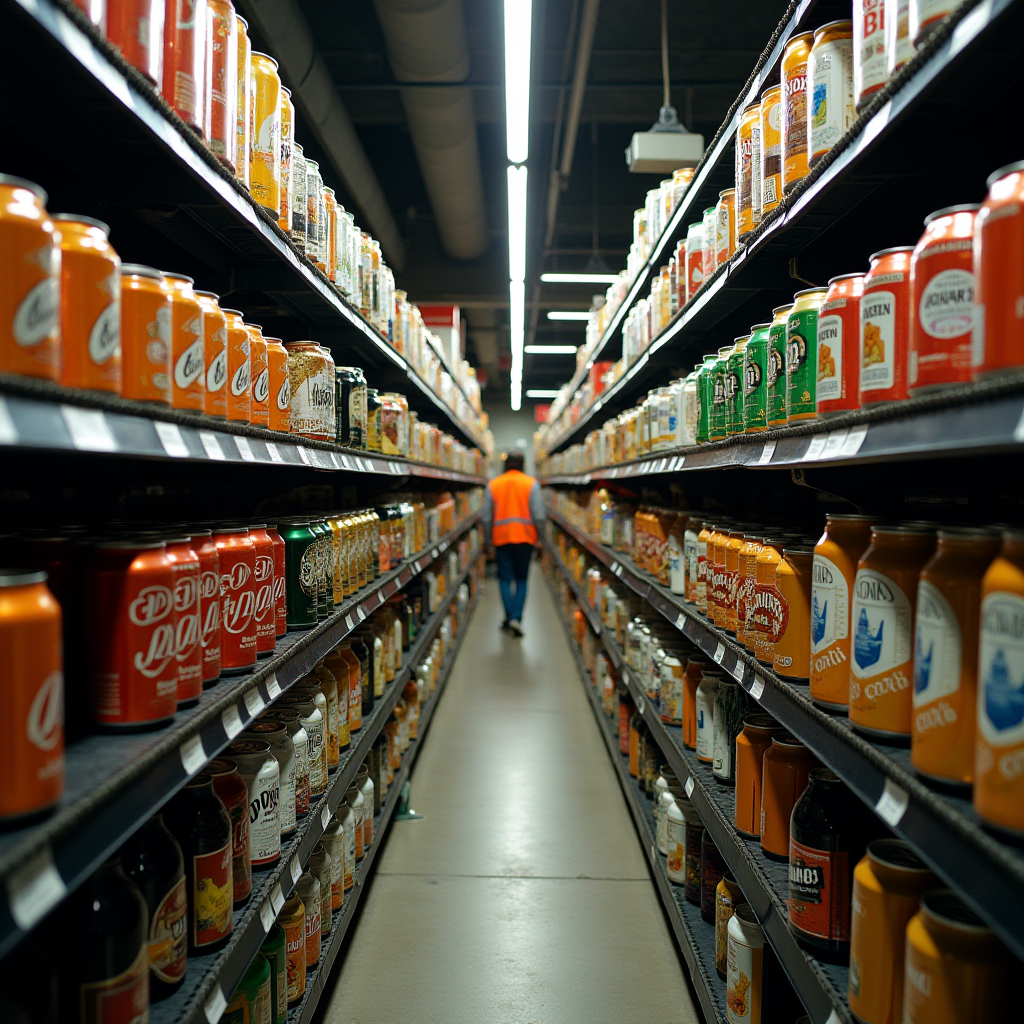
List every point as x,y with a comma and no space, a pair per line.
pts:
810,291
207,295
221,766
233,312
241,748
787,739
781,309
759,327
946,211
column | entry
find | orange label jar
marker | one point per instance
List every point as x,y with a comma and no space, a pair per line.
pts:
718,575
771,612
215,355
885,327
794,113
942,301
771,148
882,614
279,386
946,655
998,340
751,746
836,555
188,350
239,385
703,567
90,305
145,335
30,271
793,582
259,373
838,345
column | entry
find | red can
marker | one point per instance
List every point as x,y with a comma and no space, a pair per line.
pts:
838,348
266,610
221,83
189,651
998,342
131,635
237,555
942,301
136,28
885,327
209,603
32,725
280,591
184,72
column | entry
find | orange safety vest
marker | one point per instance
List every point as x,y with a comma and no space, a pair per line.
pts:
510,494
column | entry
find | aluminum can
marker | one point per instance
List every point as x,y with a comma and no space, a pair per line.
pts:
331,241
293,920
262,777
793,582
694,259
732,581
184,70
299,200
320,865
802,365
314,210
186,572
838,346
751,746
221,113
888,884
243,105
188,348
718,578
925,15
745,967
717,417
998,339
755,380
30,299
882,614
32,727
321,568
830,83
239,386
301,578
234,794
308,889
251,999
315,723
771,112
727,897
776,366
265,611
334,842
794,109
725,226
309,383
999,762
746,590
945,699
956,970
90,305
290,716
275,948
734,384
237,555
259,373
898,48
770,614
705,705
278,386
748,172
885,316
280,579
787,766
287,197
265,152
130,633
145,335
215,355
136,28
704,567
275,732
209,603
730,705
870,65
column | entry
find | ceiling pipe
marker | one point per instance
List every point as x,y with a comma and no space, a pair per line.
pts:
314,94
426,42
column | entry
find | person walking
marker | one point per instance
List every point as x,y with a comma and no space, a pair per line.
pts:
513,516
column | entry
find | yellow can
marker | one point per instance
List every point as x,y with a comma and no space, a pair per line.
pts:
771,148
794,119
748,157
265,154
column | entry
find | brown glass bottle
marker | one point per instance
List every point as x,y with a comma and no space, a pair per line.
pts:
362,647
712,868
231,788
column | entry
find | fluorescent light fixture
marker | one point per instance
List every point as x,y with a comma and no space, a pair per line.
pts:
579,278
518,18
541,393
565,314
517,335
551,350
517,223
516,397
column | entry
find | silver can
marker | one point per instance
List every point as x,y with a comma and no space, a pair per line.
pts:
262,776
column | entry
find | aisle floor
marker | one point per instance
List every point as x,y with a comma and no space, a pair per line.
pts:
523,897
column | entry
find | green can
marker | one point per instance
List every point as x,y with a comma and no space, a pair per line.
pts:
251,999
704,396
322,556
802,355
300,572
734,388
717,422
776,367
755,380
275,951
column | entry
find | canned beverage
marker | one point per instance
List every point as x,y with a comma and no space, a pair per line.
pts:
838,347
776,366
30,299
718,415
335,841
265,152
998,338
136,28
331,241
209,603
725,226
221,113
755,381
691,681
265,611
734,387
728,896
705,397
280,588
745,967
999,761
885,317
308,889
184,70
694,259
794,112
293,920
694,839
321,564
259,373
888,884
291,719
956,970
237,554
898,48
239,391
787,766
730,708
274,732
320,865
942,301
301,575
704,553
262,777
188,348
748,155
251,999
746,590
346,816
185,570
145,335
830,80
243,105
705,715
215,354
925,15
287,197
802,355
314,210
133,674
870,65
771,148
769,615
793,583
279,395
307,371
275,950
717,578
32,729
883,613
299,199
751,745
90,305
233,793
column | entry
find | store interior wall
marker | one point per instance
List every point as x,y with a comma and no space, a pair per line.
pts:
512,430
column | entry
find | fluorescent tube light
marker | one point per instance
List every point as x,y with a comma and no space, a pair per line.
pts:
517,335
579,278
518,18
557,314
551,350
541,393
517,223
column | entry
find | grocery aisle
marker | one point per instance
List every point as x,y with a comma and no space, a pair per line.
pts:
523,898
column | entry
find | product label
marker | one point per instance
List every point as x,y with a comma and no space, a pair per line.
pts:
211,896
743,983
295,959
832,110
705,724
871,58
1001,677
284,395
105,336
189,366
878,340
775,372
770,614
802,362
946,309
819,891
37,313
261,387
217,374
168,935
241,378
937,647
239,599
830,605
795,88
830,357
116,1000
882,621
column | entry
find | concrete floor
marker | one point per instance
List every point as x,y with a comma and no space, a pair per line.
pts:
523,897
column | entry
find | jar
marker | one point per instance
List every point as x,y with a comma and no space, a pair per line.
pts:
675,842
748,149
885,317
787,766
745,967
691,541
233,793
751,745
300,744
274,732
870,65
292,919
308,890
793,583
346,817
770,117
925,15
676,556
898,48
712,868
670,704
730,709
746,588
335,841
703,566
776,366
718,575
839,345
320,865
365,784
705,714
794,116
374,423
802,365
770,613
755,380
710,251
727,897
830,86
730,587
354,798
691,681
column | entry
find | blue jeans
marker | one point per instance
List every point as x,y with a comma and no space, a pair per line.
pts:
513,567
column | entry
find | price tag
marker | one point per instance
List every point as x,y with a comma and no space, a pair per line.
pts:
232,721
616,568
740,671
349,624
273,686
719,653
277,898
834,443
360,613
215,1005
295,868
34,889
416,566
971,25
854,440
193,756
334,461
766,453
171,439
757,688
680,621
433,554
640,704
688,788
325,816
834,1018
242,444
275,455
345,464
89,429
303,454
211,446
267,916
815,448
8,431
254,703
892,804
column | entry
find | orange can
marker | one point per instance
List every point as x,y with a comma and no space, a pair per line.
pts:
748,149
215,355
794,112
239,390
90,305
751,746
725,227
259,410
839,345
265,152
786,768
184,71
999,762
998,340
243,103
279,385
836,555
331,204
885,327
293,920
771,148
284,218
745,587
188,350
717,575
30,275
883,613
793,582
145,334
136,28
32,726
733,547
946,655
770,613
221,82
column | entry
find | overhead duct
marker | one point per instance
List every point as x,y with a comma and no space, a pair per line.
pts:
426,42
314,94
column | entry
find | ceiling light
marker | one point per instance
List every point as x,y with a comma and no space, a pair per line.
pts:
541,393
556,314
517,335
579,278
518,17
517,223
551,350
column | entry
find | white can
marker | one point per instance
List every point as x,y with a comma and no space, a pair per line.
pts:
316,737
830,81
705,706
666,799
870,63
675,844
745,964
346,816
262,776
672,689
320,865
275,732
898,47
354,798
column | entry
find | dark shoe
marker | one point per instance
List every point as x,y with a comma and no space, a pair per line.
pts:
515,628
504,626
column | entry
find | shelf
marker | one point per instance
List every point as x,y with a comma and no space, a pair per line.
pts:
165,195
873,190
115,782
38,415
943,829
